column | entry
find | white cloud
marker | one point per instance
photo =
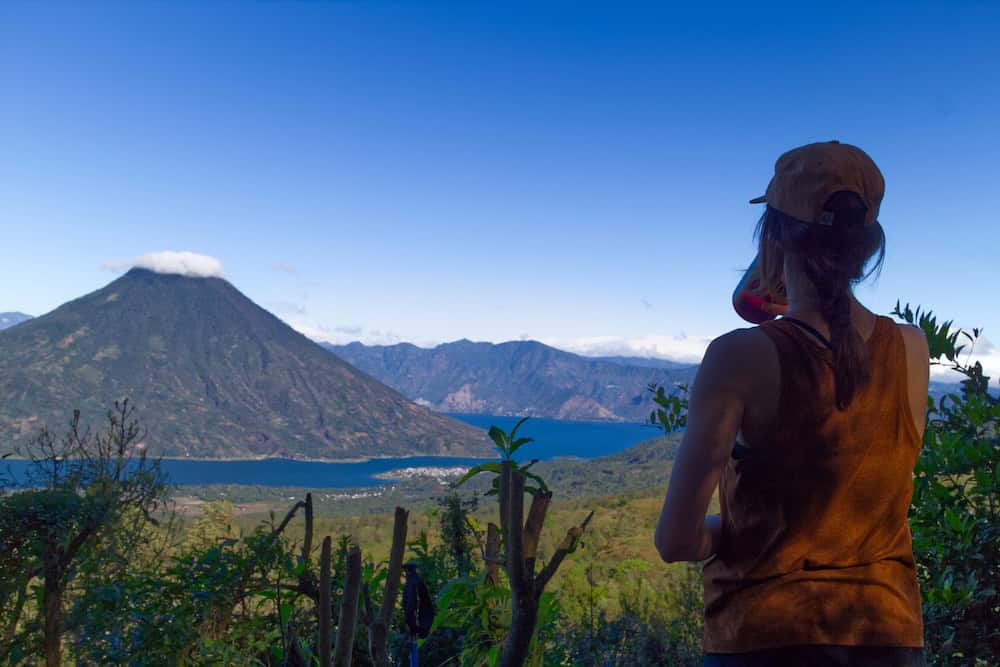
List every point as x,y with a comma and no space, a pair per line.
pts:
990,360
985,346
288,307
340,335
318,333
188,264
690,349
686,349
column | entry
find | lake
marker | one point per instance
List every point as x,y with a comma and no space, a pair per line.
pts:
553,439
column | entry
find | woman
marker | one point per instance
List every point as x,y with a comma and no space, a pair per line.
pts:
810,561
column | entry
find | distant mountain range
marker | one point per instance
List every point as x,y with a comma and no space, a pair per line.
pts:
211,374
8,320
647,362
215,376
516,378
939,389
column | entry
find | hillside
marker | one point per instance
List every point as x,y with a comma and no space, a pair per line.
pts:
8,320
514,378
212,375
651,362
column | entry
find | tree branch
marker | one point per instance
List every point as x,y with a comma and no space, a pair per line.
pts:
492,555
324,607
379,633
505,469
567,546
533,526
288,517
348,610
515,524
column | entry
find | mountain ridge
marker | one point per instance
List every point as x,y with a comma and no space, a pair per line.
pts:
12,318
527,378
212,375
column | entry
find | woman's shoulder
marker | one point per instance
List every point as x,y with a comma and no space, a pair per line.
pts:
745,340
742,356
913,336
741,342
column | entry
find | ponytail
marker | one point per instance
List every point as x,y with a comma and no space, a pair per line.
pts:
851,368
833,258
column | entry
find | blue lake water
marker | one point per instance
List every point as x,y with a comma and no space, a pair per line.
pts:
553,439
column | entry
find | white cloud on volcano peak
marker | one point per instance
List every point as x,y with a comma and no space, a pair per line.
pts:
184,263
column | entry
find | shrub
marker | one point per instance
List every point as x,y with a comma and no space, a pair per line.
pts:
956,505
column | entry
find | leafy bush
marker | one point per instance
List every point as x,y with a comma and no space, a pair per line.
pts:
86,512
651,628
229,602
956,505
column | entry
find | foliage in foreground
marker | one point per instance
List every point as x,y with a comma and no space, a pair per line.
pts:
221,595
87,514
955,516
82,560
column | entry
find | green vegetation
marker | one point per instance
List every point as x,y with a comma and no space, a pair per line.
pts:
87,517
226,589
955,518
92,571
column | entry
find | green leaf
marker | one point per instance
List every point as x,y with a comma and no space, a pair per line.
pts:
517,444
539,480
489,466
498,436
513,431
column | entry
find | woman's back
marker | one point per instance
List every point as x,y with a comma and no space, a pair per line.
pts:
811,554
815,547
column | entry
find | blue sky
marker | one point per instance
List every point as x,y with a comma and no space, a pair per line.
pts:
431,171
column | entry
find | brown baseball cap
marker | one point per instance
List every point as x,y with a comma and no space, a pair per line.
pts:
805,177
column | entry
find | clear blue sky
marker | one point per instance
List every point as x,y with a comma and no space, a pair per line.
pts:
431,171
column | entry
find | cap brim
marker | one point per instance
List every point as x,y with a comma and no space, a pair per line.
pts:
759,200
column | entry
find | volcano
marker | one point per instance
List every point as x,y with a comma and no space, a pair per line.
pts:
211,374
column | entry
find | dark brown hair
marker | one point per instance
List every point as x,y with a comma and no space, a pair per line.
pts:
834,259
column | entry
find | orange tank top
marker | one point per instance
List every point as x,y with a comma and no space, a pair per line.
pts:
815,544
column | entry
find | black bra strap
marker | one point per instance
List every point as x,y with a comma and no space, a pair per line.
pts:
810,329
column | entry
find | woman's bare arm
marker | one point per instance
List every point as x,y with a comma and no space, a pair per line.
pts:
715,413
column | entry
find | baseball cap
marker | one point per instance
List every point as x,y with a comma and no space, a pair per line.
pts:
804,180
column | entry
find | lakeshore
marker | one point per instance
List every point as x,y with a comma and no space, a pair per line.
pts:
553,439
